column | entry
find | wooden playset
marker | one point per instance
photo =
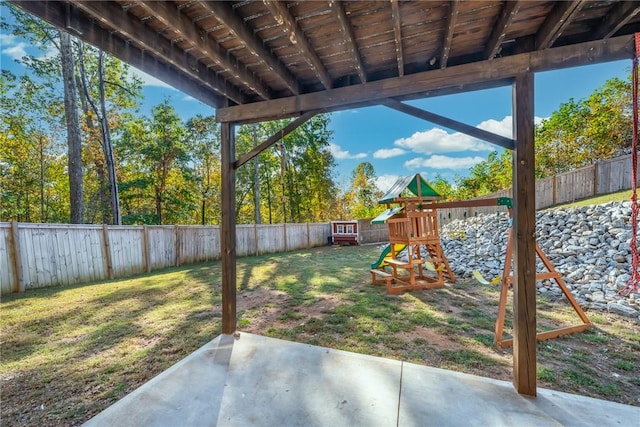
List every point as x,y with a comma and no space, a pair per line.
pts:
413,233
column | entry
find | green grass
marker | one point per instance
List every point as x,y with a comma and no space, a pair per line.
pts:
76,350
619,196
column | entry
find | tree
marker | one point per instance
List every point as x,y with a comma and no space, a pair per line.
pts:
295,175
204,136
31,161
585,131
155,154
363,194
74,138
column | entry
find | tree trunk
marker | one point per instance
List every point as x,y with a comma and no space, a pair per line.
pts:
73,130
256,180
108,147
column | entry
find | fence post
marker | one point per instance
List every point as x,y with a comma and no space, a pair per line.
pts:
555,189
255,238
308,236
177,260
15,257
595,178
106,251
284,230
145,249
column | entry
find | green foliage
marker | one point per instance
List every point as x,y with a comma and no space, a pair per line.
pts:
487,177
361,199
582,132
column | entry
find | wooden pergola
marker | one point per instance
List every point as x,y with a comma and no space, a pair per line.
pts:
261,60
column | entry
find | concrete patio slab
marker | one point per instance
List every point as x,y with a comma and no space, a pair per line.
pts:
258,381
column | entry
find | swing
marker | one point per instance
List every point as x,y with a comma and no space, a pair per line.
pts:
632,284
432,267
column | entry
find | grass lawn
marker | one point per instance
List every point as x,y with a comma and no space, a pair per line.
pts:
68,353
620,196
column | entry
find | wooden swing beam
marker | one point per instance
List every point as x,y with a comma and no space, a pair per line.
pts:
507,279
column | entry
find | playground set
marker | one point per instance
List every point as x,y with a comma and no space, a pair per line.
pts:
413,231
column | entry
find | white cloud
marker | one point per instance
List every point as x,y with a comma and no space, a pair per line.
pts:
385,153
438,140
7,39
148,80
503,127
189,98
385,182
341,154
443,162
15,52
11,46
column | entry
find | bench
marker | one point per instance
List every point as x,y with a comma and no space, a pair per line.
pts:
381,277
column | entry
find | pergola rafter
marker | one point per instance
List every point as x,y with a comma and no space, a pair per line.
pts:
508,12
349,37
454,7
170,17
224,13
397,31
282,16
556,22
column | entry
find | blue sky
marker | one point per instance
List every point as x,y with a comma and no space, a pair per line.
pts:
394,143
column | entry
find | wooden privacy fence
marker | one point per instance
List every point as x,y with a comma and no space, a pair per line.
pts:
40,255
604,177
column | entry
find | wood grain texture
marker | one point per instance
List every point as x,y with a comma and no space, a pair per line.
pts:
456,78
228,229
524,229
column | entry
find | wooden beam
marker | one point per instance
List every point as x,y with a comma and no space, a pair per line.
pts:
622,13
454,7
450,123
228,229
16,258
524,229
176,20
556,22
106,252
349,37
119,21
207,90
397,32
225,14
509,10
274,138
432,83
282,16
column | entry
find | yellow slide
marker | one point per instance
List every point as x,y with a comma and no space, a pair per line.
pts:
386,254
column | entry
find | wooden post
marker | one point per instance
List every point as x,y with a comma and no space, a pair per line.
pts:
19,285
595,178
145,249
308,236
524,229
106,252
228,229
177,248
255,239
555,189
284,230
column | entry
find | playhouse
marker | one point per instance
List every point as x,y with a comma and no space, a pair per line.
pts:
413,259
344,232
